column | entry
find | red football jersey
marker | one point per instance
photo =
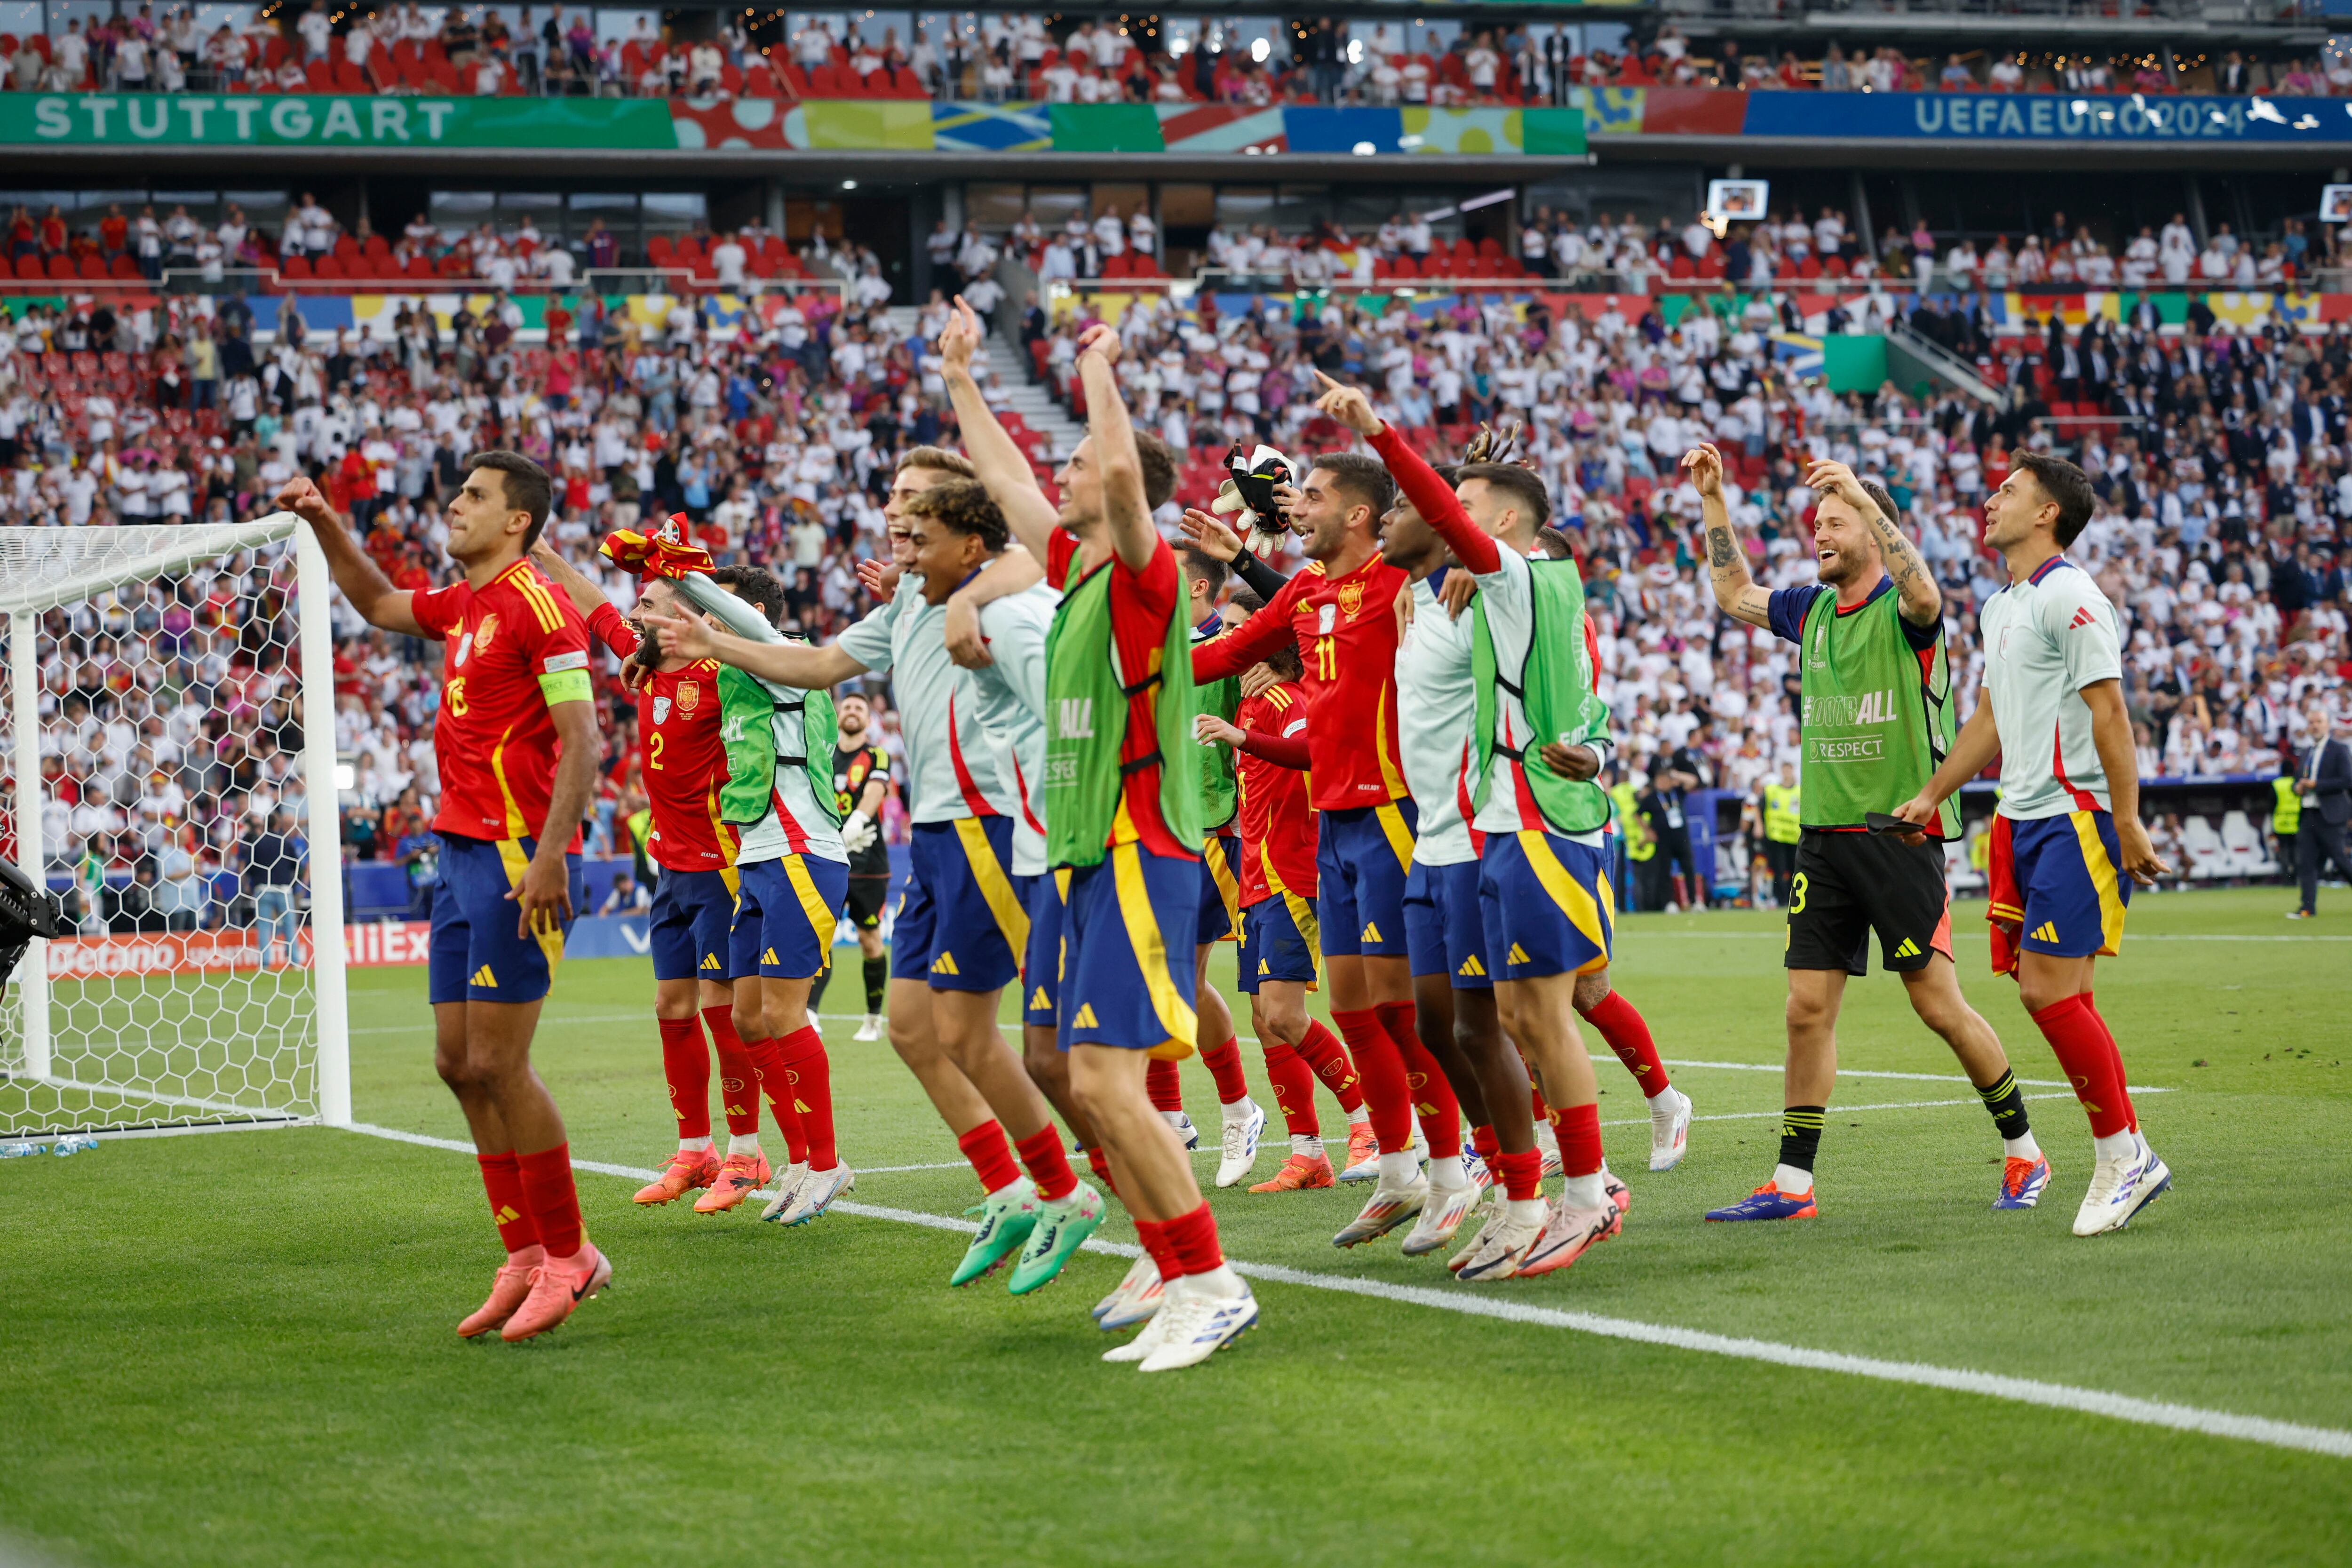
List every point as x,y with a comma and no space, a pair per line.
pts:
1347,633
1277,824
679,755
508,650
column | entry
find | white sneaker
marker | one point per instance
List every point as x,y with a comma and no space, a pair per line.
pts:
817,1192
1441,1216
1670,1120
1198,1326
1140,1297
1136,1273
1186,1133
1155,1333
872,1028
1387,1208
1501,1248
2121,1188
1568,1234
1495,1215
790,1178
1242,1133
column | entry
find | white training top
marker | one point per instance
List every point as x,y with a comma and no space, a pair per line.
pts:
1507,594
1437,723
793,795
951,768
2044,640
1009,699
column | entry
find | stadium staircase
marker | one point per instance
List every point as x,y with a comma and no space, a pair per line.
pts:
1913,359
1030,399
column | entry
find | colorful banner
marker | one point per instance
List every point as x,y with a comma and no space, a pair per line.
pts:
241,120
2133,118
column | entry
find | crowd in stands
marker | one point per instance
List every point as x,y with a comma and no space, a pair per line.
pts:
2223,462
451,50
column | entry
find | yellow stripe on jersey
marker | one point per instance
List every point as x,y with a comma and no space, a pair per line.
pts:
1570,894
1169,1005
526,582
1391,779
516,826
511,856
995,886
2102,868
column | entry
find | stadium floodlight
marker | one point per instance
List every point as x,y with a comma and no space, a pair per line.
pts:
191,999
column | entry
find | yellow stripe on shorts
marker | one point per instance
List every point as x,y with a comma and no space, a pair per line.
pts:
550,941
995,886
2102,868
1568,893
1172,1008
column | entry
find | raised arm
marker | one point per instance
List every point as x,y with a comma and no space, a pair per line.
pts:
1133,538
1208,531
1916,597
1431,496
606,623
1736,592
1232,651
361,581
1002,466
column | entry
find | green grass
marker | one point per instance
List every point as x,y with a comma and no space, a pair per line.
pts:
236,1348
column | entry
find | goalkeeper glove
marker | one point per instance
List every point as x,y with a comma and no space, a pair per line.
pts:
857,832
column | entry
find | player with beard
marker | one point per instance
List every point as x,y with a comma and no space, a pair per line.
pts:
1875,718
861,782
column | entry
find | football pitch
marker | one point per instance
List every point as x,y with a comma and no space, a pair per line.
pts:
237,1347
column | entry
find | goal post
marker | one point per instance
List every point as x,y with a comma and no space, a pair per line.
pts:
154,673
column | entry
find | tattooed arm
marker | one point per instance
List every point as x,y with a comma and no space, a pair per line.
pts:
1726,563
1916,596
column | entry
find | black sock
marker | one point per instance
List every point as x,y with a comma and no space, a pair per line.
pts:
877,974
816,987
2006,1101
1800,1135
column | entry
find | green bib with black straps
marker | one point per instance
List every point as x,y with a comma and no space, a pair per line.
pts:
1087,717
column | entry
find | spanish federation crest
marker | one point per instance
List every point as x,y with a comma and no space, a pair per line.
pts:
689,697
1352,599
485,632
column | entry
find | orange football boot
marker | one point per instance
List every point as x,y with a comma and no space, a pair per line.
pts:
555,1293
506,1294
688,1169
740,1176
1301,1170
1363,1147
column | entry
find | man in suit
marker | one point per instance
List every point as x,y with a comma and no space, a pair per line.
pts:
2326,786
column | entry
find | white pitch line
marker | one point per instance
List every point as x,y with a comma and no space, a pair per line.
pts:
2261,1430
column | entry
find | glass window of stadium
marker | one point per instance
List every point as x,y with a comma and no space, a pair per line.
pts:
20,17
619,27
84,209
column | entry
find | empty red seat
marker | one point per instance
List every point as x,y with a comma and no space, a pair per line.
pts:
294,267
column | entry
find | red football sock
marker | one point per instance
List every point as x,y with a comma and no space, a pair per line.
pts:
1628,1035
1577,1128
775,1080
1321,1050
510,1209
805,1089
1535,1098
1048,1163
1294,1090
1193,1237
1224,1064
1099,1164
739,1093
1164,1085
554,1202
991,1156
1432,1093
1379,1068
2088,1054
1154,1237
686,1064
1521,1174
1488,1142
2131,1111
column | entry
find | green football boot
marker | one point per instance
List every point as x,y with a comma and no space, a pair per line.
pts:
1060,1229
1006,1222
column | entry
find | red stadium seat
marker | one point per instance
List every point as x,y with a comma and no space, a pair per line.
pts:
61,267
295,268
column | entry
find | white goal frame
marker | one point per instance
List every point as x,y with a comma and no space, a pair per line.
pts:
112,557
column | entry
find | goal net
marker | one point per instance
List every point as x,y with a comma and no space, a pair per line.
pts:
168,742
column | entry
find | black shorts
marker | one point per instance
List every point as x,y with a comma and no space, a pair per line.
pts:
1849,884
867,897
